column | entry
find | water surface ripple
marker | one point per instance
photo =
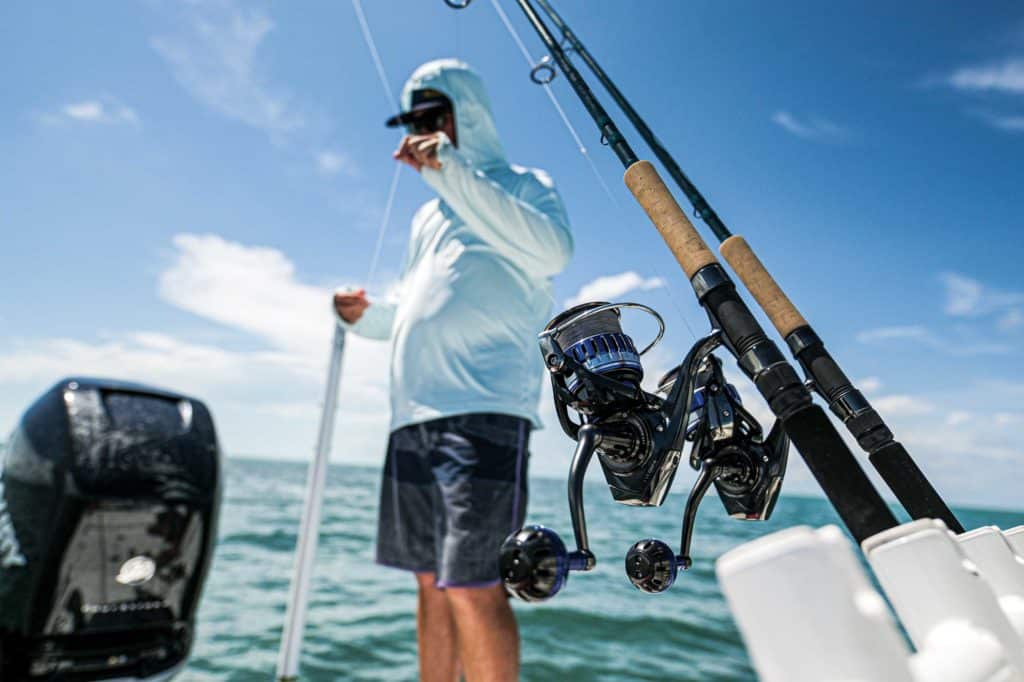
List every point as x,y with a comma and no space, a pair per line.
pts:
361,624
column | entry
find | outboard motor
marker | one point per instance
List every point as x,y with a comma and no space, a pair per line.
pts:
109,496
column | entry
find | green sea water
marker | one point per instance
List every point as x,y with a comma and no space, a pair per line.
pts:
361,623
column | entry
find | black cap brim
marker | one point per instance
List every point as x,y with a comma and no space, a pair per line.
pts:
417,110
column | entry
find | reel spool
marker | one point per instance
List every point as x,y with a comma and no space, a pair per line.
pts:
639,437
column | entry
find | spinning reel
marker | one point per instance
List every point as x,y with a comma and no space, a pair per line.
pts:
639,439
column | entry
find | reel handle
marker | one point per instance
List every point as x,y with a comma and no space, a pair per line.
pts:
533,561
589,437
651,565
705,478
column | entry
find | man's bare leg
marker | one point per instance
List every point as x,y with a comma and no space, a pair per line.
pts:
435,633
488,637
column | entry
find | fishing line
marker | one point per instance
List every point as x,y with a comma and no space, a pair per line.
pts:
392,102
554,101
581,146
357,5
383,225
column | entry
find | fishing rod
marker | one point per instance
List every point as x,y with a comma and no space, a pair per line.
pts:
594,371
889,457
827,456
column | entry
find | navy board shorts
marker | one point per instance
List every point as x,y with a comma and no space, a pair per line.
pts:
453,490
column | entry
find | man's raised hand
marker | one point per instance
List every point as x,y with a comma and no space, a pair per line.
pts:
350,305
420,150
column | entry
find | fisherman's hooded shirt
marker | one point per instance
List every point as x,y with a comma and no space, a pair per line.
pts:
475,289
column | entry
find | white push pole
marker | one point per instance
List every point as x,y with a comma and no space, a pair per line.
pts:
309,530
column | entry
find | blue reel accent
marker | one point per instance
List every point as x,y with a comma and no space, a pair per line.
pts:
700,398
604,353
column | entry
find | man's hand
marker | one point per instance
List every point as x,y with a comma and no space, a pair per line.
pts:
420,150
350,305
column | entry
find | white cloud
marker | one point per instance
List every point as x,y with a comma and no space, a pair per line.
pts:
869,384
613,287
902,405
957,417
812,128
1006,76
256,289
1010,123
967,297
214,57
964,297
103,110
332,162
265,401
85,111
1012,319
1007,418
929,339
247,287
889,333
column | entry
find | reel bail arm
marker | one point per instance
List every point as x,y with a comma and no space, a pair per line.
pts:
589,439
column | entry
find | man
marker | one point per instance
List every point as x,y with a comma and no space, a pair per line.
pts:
465,370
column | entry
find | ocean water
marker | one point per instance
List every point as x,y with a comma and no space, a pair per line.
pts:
361,623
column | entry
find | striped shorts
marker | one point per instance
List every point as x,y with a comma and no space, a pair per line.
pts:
453,489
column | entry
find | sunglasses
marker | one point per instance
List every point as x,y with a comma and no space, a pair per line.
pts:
427,123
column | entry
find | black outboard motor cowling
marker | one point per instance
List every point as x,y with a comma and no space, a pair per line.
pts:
109,496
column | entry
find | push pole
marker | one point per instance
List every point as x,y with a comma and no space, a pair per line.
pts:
889,457
309,529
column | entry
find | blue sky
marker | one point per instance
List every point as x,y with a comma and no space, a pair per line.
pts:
184,183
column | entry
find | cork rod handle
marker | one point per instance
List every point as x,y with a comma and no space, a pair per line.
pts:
663,210
776,305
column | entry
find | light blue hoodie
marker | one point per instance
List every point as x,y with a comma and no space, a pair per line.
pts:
476,286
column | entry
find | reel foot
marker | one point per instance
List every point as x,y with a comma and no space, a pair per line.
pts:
534,563
652,566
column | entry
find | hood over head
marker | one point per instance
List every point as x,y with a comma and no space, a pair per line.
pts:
474,123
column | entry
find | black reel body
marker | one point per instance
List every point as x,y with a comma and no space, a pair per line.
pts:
639,438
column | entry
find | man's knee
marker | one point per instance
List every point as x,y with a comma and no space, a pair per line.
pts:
488,598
